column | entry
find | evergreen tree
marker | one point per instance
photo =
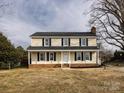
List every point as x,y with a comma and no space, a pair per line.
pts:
9,55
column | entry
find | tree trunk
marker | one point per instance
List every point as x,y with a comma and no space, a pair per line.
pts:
9,65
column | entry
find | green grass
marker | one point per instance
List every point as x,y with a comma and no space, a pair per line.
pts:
90,80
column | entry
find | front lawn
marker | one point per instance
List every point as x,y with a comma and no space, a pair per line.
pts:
86,80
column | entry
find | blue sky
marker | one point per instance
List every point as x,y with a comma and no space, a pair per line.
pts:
24,17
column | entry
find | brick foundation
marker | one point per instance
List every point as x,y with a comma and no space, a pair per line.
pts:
44,65
84,65
64,65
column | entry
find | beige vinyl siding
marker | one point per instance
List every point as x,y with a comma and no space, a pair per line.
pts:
79,62
55,42
94,57
92,42
36,42
72,56
34,57
74,42
58,57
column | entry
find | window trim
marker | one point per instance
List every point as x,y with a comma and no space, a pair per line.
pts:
83,42
45,42
64,41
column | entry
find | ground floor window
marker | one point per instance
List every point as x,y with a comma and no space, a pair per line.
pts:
47,56
87,56
51,56
82,56
78,56
42,56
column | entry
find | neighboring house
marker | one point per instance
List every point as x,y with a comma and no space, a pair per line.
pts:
55,49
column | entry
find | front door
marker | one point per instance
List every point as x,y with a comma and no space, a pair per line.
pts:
65,57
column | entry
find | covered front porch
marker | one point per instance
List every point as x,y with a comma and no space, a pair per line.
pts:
63,58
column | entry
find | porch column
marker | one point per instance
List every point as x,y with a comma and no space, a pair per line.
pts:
98,58
61,59
29,58
69,59
45,57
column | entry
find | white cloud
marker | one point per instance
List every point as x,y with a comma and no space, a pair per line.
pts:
25,17
17,31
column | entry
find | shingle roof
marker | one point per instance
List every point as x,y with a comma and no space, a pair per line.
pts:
61,48
63,34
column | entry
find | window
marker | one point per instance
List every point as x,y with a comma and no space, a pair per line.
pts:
87,56
83,41
42,56
51,56
46,41
78,57
65,42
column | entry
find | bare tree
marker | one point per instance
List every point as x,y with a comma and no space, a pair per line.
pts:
108,16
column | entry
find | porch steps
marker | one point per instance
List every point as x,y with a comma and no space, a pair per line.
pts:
65,65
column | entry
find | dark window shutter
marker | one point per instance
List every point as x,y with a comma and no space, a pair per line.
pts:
79,41
90,55
75,57
38,56
62,41
47,56
69,41
82,56
54,56
30,58
50,41
86,41
43,42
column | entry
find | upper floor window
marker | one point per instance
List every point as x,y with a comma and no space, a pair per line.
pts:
46,41
83,41
65,42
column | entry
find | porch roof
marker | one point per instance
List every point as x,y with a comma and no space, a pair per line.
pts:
61,48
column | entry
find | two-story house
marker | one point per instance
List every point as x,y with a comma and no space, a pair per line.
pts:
55,49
